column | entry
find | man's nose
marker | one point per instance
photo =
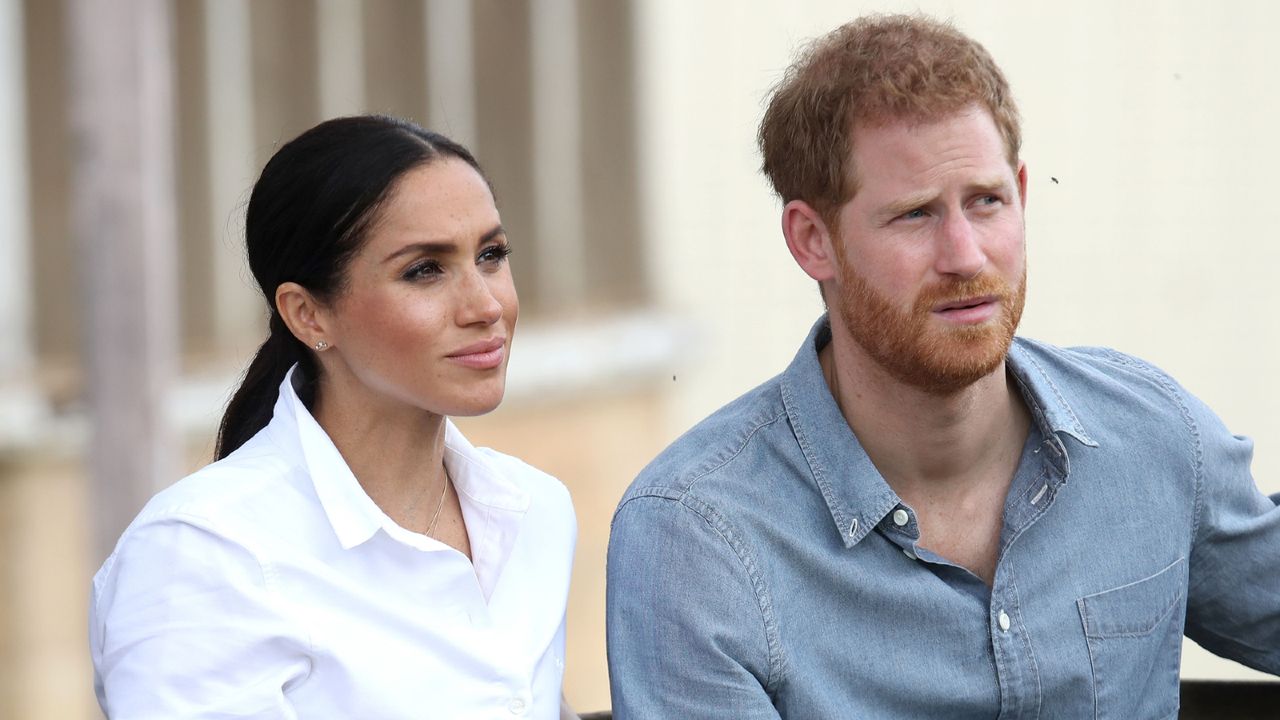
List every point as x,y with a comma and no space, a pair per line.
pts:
959,250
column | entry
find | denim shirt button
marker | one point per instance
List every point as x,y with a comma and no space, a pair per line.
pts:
910,553
1003,619
900,517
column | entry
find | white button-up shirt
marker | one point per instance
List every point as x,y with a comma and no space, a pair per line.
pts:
269,585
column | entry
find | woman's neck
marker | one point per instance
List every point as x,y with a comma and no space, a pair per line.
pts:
395,451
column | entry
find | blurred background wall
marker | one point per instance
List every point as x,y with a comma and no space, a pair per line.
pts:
655,283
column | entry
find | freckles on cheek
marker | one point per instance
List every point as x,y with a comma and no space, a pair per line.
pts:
398,334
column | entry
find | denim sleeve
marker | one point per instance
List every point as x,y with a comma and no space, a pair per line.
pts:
1233,606
686,628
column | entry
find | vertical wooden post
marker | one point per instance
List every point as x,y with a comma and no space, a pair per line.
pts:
557,153
451,75
340,60
16,350
124,220
228,85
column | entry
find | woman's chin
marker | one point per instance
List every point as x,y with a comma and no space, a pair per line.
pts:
478,405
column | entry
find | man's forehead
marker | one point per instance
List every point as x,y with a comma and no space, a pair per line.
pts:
969,137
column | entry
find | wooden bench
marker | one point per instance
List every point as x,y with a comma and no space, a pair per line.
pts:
1201,700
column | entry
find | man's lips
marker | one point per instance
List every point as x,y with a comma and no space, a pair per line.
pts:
482,355
969,310
966,303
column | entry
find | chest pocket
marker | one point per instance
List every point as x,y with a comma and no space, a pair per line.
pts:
1134,634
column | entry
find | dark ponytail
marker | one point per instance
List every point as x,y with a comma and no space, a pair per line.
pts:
250,408
306,219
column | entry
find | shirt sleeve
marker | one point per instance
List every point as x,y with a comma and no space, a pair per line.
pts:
183,624
1233,606
686,626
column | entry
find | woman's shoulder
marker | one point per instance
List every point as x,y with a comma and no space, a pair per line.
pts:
521,471
235,491
545,491
537,483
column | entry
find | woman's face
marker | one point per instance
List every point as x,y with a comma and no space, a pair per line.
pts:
429,307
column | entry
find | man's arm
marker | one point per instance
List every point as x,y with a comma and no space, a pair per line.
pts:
1233,606
686,625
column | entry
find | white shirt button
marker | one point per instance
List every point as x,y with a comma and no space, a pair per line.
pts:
1003,619
516,706
900,517
910,553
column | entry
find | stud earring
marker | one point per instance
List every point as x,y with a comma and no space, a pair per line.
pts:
321,345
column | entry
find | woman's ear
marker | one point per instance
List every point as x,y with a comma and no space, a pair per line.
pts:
303,315
809,240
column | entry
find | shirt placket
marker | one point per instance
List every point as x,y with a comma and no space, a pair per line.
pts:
1016,670
1030,495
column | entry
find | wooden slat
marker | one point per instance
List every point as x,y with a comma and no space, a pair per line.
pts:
123,218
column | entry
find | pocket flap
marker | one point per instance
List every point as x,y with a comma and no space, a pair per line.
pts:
1136,608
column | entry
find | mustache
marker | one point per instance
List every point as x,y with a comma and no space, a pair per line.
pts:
955,290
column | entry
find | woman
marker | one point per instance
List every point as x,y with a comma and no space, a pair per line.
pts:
350,554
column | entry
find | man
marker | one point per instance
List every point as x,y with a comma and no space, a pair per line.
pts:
924,516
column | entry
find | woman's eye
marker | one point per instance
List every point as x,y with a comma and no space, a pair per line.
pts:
494,254
422,270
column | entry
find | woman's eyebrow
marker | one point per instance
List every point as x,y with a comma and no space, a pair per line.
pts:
440,247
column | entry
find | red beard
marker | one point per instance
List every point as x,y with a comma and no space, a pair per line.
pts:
937,360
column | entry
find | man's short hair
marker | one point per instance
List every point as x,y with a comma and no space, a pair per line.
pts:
875,70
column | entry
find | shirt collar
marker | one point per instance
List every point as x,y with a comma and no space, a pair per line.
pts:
1042,395
352,513
355,517
494,504
856,494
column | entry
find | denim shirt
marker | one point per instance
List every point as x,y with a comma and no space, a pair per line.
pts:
761,567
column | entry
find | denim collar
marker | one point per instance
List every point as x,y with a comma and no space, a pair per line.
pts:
855,492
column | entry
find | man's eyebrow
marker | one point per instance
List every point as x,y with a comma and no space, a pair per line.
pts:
441,247
992,186
906,204
920,199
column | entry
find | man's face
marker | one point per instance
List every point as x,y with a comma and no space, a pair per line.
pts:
931,254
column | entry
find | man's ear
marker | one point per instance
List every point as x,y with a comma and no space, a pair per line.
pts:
809,240
303,314
1022,184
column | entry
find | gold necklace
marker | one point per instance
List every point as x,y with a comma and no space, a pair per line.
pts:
440,505
413,505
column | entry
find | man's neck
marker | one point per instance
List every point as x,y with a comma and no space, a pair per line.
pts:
950,457
921,441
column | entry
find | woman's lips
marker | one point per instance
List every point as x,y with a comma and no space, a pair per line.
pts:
484,355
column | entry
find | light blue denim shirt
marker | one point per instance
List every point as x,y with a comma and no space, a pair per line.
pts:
762,568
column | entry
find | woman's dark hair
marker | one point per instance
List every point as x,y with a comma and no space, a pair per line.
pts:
307,217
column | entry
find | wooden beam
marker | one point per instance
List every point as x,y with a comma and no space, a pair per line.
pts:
16,352
123,200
